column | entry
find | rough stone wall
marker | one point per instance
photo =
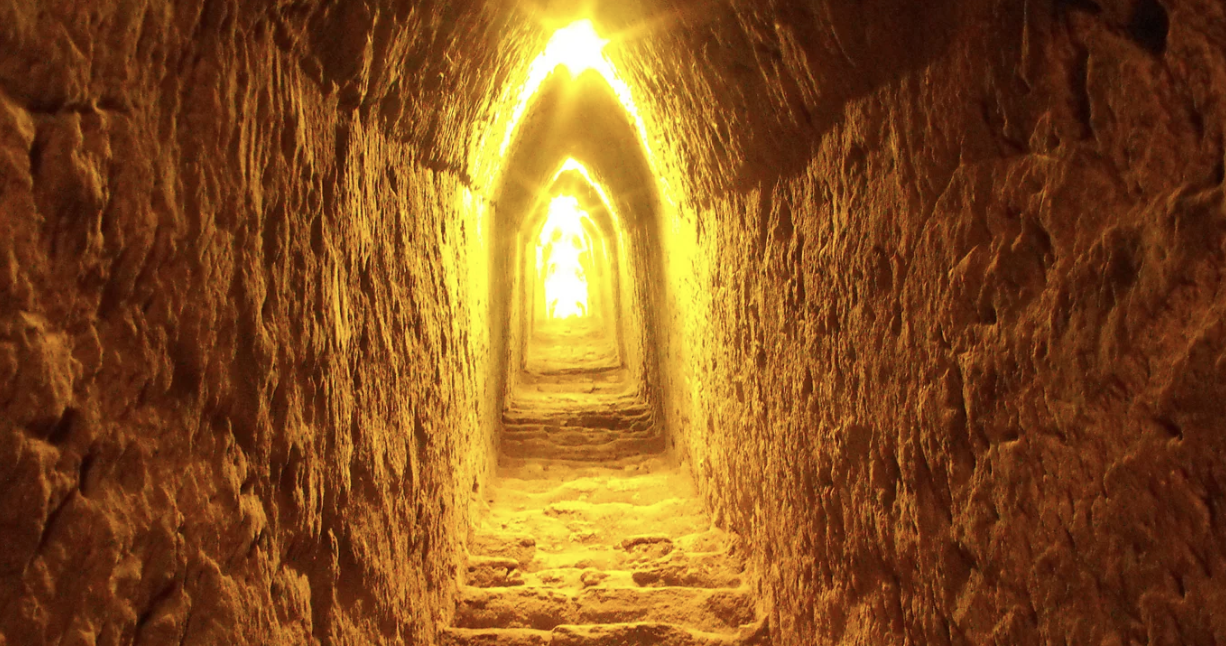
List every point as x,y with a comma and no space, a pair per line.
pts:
240,378
954,327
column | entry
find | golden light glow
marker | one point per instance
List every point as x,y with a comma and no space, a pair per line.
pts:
563,253
578,48
574,165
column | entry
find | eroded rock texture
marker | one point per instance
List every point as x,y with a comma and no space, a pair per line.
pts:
238,387
960,378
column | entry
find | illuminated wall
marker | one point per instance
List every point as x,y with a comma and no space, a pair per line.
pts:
245,266
940,348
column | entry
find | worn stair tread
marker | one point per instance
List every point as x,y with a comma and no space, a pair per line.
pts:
635,489
626,404
551,471
566,524
620,558
575,364
573,436
589,452
605,382
709,609
608,569
589,424
540,421
717,572
574,399
604,511
619,634
493,572
579,405
508,544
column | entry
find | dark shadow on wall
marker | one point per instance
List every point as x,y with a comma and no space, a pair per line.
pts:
780,73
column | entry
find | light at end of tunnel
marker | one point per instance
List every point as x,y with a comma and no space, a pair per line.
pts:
578,47
562,254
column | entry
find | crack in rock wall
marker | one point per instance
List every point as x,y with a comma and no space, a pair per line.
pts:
241,377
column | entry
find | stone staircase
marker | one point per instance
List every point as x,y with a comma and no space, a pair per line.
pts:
592,537
588,427
622,553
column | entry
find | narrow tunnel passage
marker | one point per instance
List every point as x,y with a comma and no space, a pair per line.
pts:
883,322
573,266
590,532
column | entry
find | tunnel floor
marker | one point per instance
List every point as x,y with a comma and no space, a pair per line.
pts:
590,534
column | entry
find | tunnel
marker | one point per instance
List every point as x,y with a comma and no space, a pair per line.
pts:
612,323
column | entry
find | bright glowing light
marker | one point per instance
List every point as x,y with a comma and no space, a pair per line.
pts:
562,253
577,47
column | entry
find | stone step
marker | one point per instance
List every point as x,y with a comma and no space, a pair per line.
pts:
613,418
574,360
711,610
695,570
631,551
714,570
622,634
514,546
573,435
579,441
576,392
603,381
565,524
621,520
493,572
561,406
579,400
623,427
609,569
633,489
596,452
548,472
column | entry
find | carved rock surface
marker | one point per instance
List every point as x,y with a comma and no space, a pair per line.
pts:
238,381
955,323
